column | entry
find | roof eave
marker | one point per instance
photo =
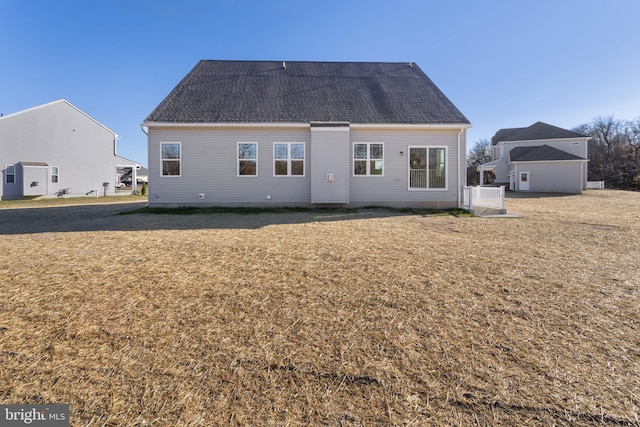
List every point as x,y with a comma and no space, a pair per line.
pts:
529,141
153,124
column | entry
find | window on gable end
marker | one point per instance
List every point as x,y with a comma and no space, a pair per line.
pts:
170,157
55,174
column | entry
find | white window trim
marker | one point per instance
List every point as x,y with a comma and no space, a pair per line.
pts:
446,168
289,159
51,174
368,160
163,159
238,159
6,174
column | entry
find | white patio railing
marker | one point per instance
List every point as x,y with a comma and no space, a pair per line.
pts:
418,179
595,185
479,200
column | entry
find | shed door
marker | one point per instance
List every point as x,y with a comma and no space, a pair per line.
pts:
523,181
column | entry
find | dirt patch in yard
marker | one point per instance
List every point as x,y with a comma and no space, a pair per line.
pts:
359,318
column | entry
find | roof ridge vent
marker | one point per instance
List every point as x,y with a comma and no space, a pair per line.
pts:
410,64
284,65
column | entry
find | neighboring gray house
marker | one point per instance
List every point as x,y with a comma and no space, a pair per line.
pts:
273,133
56,149
540,158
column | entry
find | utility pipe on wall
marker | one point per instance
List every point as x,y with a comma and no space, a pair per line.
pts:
460,184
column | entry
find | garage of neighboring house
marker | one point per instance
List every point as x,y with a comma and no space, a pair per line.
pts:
545,169
125,178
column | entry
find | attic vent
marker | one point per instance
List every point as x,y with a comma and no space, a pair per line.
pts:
284,64
410,64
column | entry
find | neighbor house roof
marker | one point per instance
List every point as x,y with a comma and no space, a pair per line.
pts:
294,92
540,153
34,164
536,131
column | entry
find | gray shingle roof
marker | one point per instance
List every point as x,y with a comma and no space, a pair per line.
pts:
267,92
540,153
538,130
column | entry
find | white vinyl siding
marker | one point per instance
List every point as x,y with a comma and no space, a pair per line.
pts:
210,166
393,188
209,163
170,158
288,159
330,164
502,168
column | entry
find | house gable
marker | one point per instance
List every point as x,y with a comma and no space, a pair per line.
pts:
53,104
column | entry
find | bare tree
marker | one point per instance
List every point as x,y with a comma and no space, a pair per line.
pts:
479,154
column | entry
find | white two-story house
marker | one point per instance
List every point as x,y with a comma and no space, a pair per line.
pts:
55,150
538,158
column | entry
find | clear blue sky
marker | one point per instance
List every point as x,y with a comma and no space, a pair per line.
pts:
504,63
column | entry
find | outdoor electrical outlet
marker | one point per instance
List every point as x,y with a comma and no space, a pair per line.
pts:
268,196
201,196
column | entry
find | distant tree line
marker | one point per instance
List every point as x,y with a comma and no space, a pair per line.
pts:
614,153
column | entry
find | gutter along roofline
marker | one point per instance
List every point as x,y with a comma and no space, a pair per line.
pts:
455,126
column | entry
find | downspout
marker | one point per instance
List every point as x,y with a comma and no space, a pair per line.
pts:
116,137
460,185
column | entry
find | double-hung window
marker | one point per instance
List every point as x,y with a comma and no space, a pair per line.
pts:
368,158
247,158
288,159
9,174
55,174
170,156
427,168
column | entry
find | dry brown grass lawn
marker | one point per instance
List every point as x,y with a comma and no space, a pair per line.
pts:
361,318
